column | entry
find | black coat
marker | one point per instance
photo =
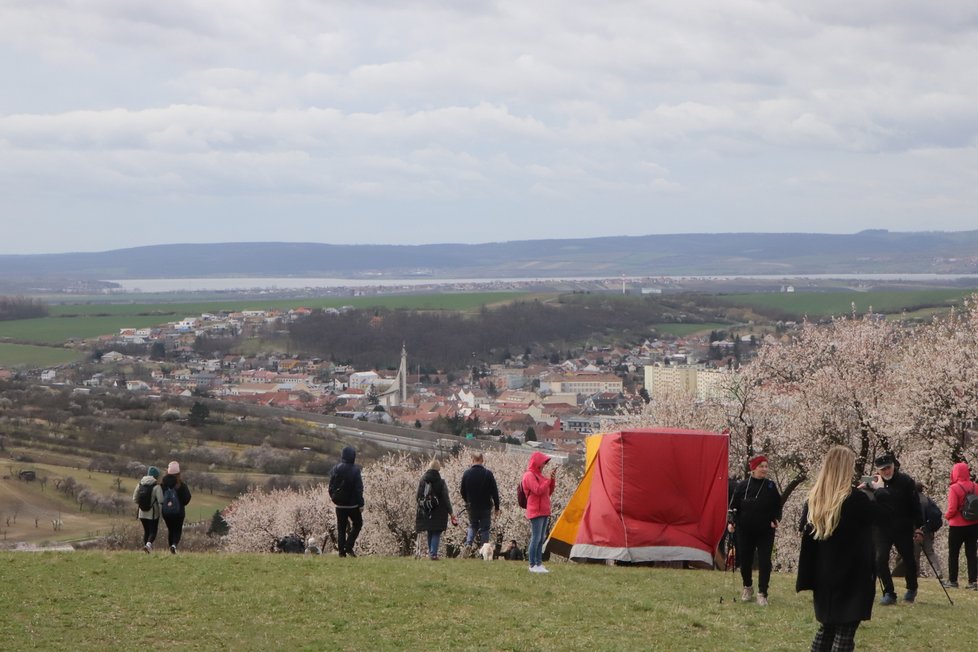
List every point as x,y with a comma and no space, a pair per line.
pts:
183,491
754,504
346,481
478,488
437,520
840,571
898,504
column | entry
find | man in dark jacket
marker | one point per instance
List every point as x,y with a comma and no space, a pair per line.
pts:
481,496
898,523
346,492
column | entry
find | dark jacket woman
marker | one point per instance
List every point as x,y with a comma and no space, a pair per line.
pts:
840,570
435,520
174,516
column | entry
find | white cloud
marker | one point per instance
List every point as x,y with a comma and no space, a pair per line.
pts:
708,112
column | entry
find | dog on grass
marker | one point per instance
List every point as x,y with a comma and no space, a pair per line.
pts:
486,551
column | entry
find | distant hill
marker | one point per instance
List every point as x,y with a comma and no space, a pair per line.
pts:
874,251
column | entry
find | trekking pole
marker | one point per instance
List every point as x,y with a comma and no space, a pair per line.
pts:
922,549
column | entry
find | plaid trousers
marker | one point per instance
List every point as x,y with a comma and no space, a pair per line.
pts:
835,638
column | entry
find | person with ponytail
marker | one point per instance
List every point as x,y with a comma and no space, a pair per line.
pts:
836,562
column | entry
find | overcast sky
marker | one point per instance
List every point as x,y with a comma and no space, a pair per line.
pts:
126,123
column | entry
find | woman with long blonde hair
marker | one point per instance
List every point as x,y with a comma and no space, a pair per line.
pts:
836,559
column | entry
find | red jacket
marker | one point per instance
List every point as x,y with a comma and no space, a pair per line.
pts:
961,484
537,486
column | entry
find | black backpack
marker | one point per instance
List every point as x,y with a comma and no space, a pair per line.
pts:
428,502
144,497
521,495
933,519
171,502
969,505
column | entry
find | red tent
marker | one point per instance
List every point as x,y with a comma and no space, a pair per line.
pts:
647,495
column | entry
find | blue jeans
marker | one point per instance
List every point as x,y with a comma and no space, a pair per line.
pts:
538,533
479,521
434,538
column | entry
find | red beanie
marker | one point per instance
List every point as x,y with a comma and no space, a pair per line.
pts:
755,461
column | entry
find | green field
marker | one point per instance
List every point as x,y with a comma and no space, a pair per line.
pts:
54,330
84,321
822,304
16,355
208,601
461,301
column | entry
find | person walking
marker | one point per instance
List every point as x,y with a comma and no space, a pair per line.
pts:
346,491
434,507
961,530
538,489
899,522
755,512
481,496
176,497
148,496
836,562
933,520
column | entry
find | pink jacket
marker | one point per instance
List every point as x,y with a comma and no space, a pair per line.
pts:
537,486
961,484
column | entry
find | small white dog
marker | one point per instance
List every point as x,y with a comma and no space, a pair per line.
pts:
313,547
486,551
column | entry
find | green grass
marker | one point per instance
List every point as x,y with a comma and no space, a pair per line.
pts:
54,330
681,330
85,321
93,600
444,301
821,304
17,355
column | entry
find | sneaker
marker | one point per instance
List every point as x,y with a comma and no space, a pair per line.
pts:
747,594
148,547
910,596
541,569
888,599
949,585
972,585
762,599
173,550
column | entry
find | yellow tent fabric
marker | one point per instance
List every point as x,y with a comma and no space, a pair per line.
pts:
564,531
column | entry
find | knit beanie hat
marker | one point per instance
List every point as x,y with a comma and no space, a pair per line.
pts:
173,468
153,471
756,461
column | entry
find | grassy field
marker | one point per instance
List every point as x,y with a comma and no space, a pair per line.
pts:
83,321
33,506
55,330
16,355
821,304
462,301
116,601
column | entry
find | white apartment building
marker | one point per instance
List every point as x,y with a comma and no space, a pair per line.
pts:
700,382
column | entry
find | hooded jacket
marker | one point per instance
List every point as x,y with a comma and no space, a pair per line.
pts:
345,481
183,492
437,519
154,513
537,486
961,485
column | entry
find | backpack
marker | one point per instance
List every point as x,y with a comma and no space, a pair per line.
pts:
933,519
144,497
428,501
336,491
290,543
171,502
969,506
521,495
